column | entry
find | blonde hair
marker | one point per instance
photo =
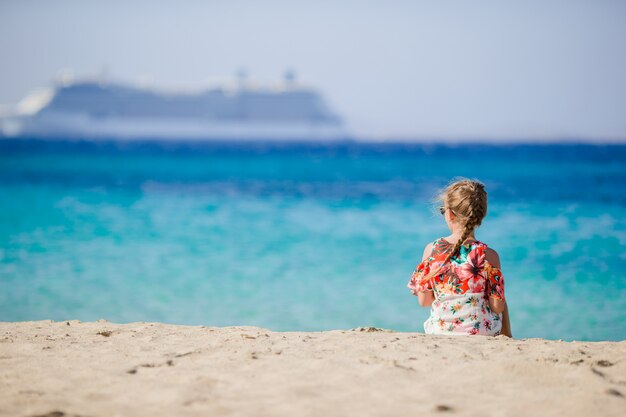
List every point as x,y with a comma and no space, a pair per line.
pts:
467,199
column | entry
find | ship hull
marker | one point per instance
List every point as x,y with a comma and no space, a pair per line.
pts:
81,126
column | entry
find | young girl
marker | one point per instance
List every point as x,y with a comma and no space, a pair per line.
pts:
459,276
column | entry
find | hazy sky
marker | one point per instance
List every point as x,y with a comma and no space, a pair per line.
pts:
393,69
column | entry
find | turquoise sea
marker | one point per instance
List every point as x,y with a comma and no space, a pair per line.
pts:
303,236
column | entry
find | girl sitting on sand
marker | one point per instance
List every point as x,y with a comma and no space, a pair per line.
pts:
459,277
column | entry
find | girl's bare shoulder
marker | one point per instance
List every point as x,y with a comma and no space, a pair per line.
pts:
427,251
492,257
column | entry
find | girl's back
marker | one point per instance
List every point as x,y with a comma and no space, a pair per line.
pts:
461,289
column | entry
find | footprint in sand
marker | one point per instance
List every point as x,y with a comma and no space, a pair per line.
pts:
443,408
613,391
56,413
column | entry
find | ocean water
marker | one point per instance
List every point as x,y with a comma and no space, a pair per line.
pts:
303,236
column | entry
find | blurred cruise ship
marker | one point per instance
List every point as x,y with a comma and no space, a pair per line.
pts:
94,109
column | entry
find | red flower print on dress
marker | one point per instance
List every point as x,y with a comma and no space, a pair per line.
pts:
476,285
472,270
416,284
473,267
495,283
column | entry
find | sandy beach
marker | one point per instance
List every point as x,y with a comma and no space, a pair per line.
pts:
151,369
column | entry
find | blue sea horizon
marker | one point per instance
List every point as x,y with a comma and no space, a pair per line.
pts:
303,236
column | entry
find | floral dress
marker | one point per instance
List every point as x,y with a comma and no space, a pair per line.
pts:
461,290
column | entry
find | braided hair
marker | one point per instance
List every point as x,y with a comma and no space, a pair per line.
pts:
468,201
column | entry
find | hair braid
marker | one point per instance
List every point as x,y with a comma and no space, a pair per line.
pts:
474,218
475,211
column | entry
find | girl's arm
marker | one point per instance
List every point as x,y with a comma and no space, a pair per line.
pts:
495,304
506,322
426,298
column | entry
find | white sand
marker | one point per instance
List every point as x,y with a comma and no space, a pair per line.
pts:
153,369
